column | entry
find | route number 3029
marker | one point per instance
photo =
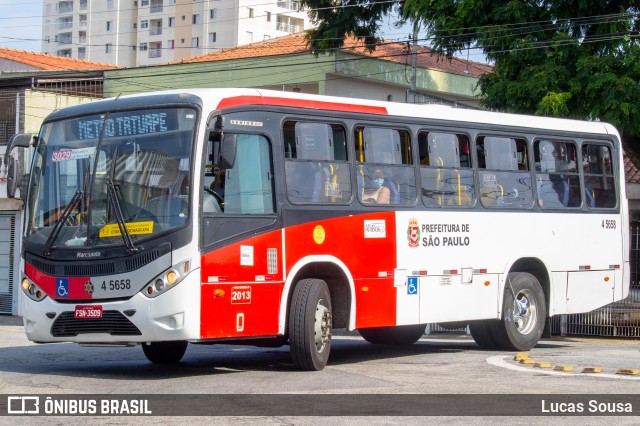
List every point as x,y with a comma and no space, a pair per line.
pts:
609,224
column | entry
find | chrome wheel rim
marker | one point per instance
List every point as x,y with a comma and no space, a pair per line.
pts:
322,327
525,313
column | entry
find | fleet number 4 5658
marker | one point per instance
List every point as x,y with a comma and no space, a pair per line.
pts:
609,224
124,284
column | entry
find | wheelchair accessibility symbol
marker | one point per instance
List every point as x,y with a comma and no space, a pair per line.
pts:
412,285
62,287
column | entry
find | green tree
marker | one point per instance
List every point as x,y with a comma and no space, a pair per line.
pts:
566,58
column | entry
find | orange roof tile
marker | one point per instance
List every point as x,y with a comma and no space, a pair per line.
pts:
50,62
388,51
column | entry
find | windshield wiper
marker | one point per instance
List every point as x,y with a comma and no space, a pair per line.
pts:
75,201
113,196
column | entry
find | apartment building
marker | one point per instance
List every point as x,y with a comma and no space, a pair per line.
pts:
134,33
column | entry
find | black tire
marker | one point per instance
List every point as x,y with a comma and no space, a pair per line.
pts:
401,335
523,316
165,352
481,333
310,325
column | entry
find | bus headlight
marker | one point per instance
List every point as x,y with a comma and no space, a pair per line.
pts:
166,280
32,291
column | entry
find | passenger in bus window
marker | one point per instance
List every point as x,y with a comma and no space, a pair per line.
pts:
377,193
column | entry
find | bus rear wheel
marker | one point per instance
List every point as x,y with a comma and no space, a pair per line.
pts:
165,352
523,313
396,335
310,325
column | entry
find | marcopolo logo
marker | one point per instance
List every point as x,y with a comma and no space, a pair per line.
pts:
413,233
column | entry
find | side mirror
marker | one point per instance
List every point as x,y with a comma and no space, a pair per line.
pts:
228,151
17,141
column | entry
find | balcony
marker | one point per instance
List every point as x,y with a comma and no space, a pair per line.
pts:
155,53
289,28
289,4
65,7
156,6
155,31
64,23
64,38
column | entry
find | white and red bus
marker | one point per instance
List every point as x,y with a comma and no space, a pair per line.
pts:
249,216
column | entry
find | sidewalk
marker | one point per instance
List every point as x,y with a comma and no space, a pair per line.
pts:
10,320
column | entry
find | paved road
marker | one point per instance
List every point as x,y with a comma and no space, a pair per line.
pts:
437,364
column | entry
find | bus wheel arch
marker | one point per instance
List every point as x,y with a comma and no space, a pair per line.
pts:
537,268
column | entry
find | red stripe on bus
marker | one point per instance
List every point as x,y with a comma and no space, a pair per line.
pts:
300,103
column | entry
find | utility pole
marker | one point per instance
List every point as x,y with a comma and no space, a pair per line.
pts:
414,56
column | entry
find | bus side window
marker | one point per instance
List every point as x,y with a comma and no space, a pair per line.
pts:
503,172
445,169
315,163
599,182
384,173
557,178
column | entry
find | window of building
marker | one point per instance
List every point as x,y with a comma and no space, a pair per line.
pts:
316,164
82,53
109,4
171,44
213,14
212,37
266,37
249,37
384,170
250,12
268,16
144,3
144,24
195,19
503,172
445,169
172,21
109,25
108,48
195,42
143,47
599,181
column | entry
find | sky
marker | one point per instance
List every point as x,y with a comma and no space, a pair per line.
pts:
21,24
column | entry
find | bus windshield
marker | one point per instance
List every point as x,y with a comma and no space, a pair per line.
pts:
110,179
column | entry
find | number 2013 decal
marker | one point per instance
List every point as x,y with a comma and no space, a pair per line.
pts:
241,294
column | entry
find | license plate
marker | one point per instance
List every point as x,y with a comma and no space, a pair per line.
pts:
85,312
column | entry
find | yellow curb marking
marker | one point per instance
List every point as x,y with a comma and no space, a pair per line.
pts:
593,370
564,368
629,371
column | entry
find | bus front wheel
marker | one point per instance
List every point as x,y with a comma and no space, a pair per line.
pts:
310,325
165,352
523,313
